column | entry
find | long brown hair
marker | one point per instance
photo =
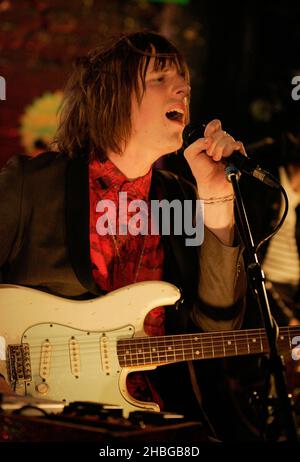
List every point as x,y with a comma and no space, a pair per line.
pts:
96,110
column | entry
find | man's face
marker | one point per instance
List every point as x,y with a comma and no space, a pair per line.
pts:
158,121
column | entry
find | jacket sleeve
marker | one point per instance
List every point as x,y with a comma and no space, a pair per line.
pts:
11,185
222,286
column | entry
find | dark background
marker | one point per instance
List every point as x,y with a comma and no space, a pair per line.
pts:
243,55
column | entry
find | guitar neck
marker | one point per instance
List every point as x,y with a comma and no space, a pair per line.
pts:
175,348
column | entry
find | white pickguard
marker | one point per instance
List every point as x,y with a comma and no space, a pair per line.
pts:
72,344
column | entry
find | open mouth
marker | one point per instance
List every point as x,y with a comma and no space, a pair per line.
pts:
176,115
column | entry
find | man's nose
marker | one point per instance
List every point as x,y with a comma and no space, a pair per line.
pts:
182,87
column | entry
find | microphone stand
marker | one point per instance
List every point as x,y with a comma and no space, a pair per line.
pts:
257,279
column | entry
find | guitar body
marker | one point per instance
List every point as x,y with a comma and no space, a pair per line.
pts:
68,350
62,349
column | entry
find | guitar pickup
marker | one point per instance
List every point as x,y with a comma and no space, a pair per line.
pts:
104,352
46,350
19,364
74,352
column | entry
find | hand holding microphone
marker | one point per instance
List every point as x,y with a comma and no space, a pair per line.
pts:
240,160
205,155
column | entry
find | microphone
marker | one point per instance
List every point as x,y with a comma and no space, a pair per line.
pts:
191,133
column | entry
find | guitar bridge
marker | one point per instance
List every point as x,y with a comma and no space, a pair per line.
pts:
19,366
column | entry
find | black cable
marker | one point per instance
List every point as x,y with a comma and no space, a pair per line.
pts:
281,221
27,407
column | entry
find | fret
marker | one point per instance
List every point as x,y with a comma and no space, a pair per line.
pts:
146,351
247,341
207,346
157,347
235,347
170,350
182,348
202,352
139,354
194,352
191,347
253,342
142,344
163,353
134,353
125,359
218,345
178,353
187,347
154,350
229,345
197,347
284,341
161,349
212,346
241,342
223,342
150,351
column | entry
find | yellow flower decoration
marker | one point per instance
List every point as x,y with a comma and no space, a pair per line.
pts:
39,121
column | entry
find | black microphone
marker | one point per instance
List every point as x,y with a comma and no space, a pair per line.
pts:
191,133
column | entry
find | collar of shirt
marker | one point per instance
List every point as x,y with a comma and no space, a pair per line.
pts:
110,178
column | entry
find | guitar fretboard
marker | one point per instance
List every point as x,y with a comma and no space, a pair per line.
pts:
174,348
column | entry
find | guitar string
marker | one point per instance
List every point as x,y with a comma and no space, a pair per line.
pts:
142,361
160,358
220,348
138,342
122,344
208,347
203,338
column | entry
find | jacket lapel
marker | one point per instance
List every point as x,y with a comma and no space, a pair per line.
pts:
185,259
78,222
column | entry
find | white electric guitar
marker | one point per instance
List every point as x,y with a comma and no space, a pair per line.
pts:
68,350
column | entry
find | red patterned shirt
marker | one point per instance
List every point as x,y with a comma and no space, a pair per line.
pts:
122,259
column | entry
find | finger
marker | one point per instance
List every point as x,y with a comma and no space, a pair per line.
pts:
232,147
223,150
199,146
212,127
220,141
228,149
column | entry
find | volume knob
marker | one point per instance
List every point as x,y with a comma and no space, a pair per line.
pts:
42,388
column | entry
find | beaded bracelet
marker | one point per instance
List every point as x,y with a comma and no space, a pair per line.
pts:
216,200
